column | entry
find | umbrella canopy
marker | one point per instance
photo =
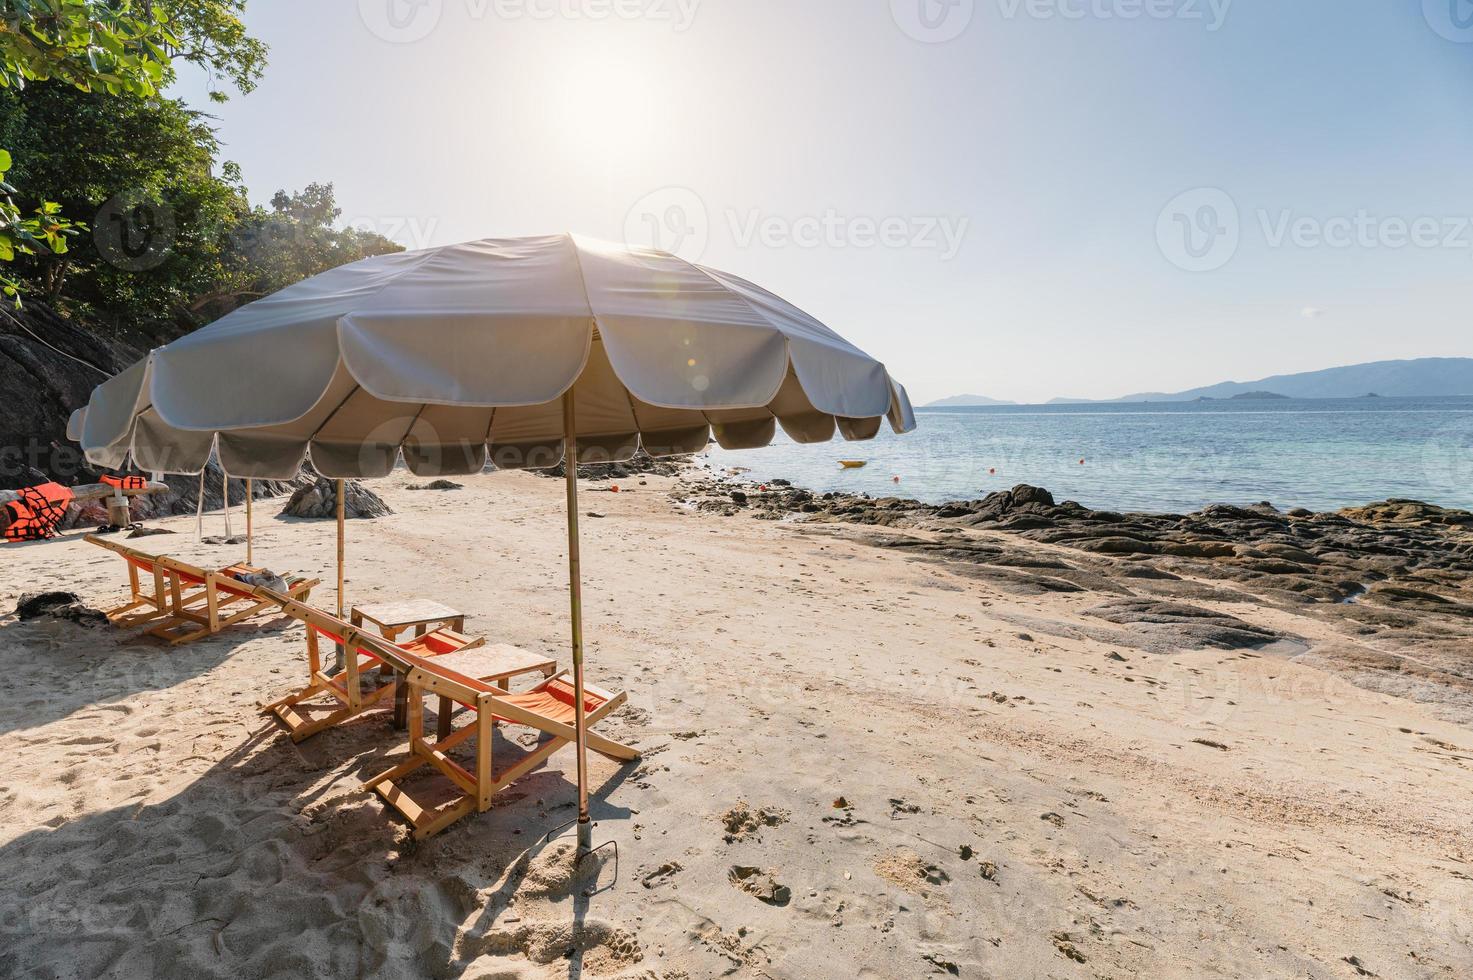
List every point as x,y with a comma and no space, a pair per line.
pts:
456,355
518,352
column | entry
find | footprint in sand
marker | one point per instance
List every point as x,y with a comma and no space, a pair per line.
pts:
741,821
906,868
655,877
760,884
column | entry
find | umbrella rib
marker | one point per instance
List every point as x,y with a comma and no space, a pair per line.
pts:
333,414
633,413
490,423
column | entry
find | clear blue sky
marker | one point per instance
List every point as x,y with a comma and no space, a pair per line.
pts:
996,212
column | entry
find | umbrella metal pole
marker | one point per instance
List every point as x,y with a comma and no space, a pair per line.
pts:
575,602
250,551
341,660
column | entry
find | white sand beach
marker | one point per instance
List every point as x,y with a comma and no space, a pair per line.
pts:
931,787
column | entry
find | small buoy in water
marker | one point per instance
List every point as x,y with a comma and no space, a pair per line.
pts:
1081,462
896,479
992,472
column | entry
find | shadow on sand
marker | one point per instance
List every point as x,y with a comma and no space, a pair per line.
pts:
50,669
273,862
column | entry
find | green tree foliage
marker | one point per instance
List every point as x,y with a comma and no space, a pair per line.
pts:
118,161
174,240
46,231
271,248
118,47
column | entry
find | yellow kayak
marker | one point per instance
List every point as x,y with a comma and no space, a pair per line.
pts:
853,464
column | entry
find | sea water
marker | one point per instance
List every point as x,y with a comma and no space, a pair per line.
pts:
1174,457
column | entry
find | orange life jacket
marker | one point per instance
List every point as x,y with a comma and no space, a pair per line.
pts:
126,482
37,513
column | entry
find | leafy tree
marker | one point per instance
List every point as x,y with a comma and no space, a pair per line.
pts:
140,169
124,46
46,231
174,239
115,46
271,248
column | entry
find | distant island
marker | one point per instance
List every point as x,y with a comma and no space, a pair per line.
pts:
1421,377
1426,377
967,401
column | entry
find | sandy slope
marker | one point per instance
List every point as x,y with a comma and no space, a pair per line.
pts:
878,717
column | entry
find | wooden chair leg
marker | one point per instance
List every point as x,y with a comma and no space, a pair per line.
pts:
443,719
401,701
485,789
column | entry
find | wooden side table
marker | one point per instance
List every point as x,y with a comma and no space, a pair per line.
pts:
396,618
495,664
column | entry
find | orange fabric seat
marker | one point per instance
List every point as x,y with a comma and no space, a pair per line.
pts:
549,708
553,702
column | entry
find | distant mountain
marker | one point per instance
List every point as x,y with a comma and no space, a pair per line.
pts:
967,401
1427,376
1252,396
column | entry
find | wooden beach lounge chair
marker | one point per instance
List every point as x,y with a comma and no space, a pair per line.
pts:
345,688
191,602
222,599
548,708
148,593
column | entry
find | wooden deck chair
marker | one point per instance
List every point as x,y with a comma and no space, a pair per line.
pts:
345,688
202,603
548,708
147,603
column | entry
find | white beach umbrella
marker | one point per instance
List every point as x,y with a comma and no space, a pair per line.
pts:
514,351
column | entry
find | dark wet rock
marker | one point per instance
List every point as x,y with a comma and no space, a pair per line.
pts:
1176,626
439,485
1408,513
58,605
641,465
318,501
1395,573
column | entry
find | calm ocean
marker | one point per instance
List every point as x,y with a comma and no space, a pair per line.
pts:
1173,457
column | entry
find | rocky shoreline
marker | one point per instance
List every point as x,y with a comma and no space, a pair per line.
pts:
1392,581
